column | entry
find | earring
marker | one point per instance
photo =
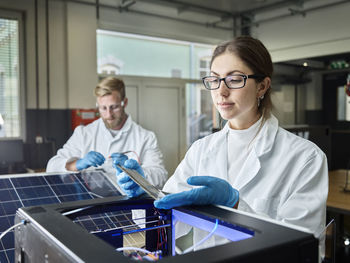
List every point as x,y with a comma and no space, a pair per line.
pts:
259,99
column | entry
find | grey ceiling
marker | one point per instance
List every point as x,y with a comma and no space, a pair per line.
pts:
221,13
232,7
211,13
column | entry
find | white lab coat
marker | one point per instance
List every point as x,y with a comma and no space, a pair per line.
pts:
96,137
284,177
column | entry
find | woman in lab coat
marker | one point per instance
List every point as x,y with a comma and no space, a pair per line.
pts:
252,163
274,172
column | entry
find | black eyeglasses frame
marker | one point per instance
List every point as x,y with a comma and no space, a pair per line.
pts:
245,77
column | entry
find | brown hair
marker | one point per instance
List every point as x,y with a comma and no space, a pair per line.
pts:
255,55
109,84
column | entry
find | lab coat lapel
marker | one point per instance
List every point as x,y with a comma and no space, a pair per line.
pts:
262,145
249,170
215,161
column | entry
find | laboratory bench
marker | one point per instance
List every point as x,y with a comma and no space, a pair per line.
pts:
338,208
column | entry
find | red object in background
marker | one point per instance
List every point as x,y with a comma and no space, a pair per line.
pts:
347,86
83,116
347,89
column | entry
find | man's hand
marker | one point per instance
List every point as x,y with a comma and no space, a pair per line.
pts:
118,158
92,158
130,188
213,190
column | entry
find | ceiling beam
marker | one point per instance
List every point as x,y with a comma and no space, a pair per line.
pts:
190,7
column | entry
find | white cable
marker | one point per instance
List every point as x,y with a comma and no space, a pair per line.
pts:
10,228
204,239
134,248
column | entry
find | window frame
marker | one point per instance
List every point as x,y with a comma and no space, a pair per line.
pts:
16,15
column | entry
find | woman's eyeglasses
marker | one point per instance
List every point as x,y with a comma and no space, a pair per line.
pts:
234,81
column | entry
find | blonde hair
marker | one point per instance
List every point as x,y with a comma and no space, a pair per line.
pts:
108,85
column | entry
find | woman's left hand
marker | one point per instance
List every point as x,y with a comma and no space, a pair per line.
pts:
213,190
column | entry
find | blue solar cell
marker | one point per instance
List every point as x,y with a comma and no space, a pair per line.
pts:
88,224
7,255
75,188
35,192
2,211
28,181
11,255
5,184
8,195
40,201
8,240
3,257
1,249
9,207
61,179
16,192
4,223
108,220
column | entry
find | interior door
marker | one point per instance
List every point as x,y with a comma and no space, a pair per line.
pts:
159,105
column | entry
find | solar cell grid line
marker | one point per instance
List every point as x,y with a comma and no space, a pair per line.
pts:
114,220
134,239
37,189
70,190
84,184
110,221
104,221
96,222
51,187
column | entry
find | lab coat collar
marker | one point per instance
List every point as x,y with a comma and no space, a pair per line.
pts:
126,127
265,138
262,145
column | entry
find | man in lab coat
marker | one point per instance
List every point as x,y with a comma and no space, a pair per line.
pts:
113,136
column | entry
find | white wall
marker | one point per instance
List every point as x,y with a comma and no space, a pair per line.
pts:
81,53
58,56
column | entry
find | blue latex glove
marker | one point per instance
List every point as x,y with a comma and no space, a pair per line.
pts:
213,190
118,158
92,158
130,188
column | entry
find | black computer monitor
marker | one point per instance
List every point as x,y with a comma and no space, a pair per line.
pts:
11,151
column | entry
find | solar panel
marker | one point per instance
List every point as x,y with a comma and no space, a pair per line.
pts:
101,224
30,190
